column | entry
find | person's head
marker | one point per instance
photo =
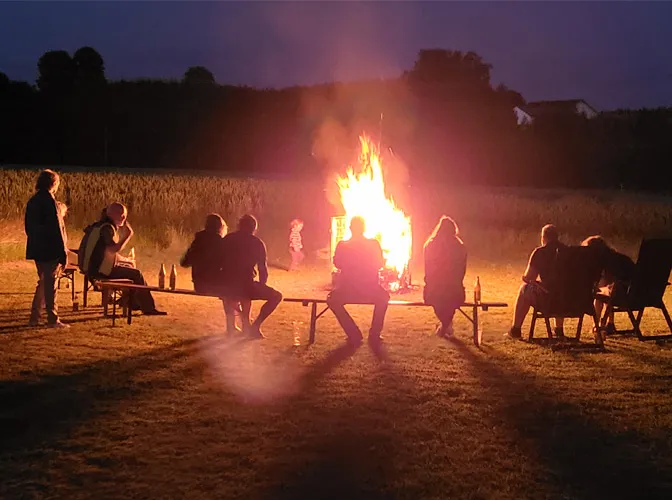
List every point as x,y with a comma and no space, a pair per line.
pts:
296,224
549,234
597,242
357,226
48,180
215,224
444,230
117,213
247,224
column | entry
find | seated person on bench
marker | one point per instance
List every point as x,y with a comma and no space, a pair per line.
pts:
205,257
617,272
243,254
533,293
445,265
101,258
360,260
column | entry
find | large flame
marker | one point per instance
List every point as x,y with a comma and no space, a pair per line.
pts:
363,194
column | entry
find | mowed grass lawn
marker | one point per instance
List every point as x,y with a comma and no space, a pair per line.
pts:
170,408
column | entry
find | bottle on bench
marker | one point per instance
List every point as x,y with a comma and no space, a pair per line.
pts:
173,277
162,276
477,291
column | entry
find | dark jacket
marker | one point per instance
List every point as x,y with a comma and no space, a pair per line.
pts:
47,239
205,257
445,266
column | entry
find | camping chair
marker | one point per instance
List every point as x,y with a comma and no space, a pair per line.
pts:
576,273
652,272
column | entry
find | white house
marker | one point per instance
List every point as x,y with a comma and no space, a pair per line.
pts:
526,113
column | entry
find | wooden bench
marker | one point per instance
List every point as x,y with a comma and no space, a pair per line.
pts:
116,285
314,315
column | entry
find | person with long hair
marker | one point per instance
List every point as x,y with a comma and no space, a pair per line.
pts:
47,245
617,272
445,266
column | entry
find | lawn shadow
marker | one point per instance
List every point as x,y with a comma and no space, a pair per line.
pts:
36,412
348,451
578,455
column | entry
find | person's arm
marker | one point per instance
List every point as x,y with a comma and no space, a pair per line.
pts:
380,258
125,234
186,260
261,263
107,234
531,273
338,256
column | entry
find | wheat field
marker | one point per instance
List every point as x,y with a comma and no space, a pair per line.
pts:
165,208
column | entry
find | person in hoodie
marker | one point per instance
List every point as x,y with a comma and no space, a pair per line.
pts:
46,245
206,258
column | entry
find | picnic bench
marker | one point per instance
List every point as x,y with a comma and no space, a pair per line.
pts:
115,286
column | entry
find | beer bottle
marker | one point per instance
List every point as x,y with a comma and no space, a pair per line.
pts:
477,291
173,277
162,277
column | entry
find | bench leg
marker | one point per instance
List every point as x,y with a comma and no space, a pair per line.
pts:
73,287
85,291
313,322
475,325
114,307
129,304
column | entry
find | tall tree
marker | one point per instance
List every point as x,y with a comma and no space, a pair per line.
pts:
56,72
198,75
89,68
441,66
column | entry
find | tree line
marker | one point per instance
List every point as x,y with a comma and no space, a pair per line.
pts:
443,120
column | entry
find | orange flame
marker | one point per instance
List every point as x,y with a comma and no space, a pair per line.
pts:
363,194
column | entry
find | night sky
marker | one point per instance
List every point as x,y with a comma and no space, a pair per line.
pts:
613,54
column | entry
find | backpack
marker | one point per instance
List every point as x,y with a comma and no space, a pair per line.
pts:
88,243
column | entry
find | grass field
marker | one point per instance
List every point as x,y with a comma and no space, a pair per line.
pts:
170,408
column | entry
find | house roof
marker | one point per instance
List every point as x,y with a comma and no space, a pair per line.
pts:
553,107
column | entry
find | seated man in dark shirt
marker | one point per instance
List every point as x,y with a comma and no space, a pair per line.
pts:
243,254
99,255
359,260
206,259
533,292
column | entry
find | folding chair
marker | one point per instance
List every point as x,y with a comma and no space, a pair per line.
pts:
652,272
576,273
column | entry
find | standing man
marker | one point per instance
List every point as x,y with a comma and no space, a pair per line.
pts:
359,260
46,245
244,253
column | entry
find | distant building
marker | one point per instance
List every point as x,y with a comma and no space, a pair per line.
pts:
526,113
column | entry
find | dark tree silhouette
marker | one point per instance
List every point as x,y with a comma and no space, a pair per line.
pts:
198,75
4,80
56,72
89,69
440,66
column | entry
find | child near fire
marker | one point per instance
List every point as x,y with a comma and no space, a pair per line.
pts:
295,244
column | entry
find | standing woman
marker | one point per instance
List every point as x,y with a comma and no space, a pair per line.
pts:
445,266
46,245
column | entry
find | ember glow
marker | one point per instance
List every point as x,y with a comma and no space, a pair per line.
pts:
363,193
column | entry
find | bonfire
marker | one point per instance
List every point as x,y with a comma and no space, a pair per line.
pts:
362,192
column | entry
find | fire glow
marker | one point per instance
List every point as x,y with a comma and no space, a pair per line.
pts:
363,194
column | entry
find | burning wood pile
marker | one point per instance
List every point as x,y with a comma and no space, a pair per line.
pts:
362,193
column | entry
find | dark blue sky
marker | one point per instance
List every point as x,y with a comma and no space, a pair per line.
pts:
613,54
